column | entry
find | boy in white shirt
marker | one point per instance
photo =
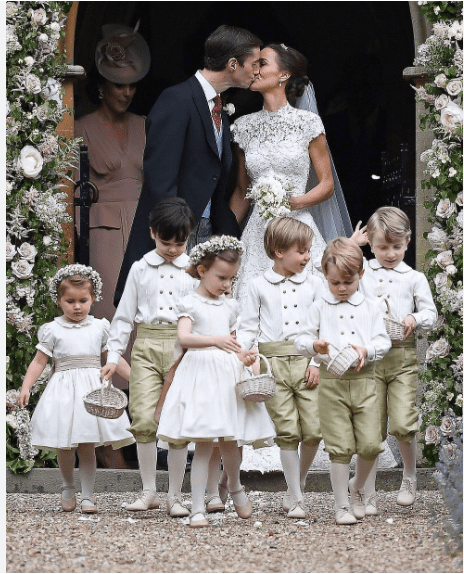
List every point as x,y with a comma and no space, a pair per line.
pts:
410,300
348,408
272,316
153,288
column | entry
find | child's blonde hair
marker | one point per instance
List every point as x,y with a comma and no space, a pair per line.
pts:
345,255
390,222
283,232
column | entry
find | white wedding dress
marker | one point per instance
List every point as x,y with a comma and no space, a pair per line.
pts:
275,144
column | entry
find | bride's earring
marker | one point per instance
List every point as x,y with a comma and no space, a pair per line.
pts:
100,94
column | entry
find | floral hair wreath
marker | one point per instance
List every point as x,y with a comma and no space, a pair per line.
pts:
76,269
215,245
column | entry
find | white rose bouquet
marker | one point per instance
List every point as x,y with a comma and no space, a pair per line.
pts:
270,196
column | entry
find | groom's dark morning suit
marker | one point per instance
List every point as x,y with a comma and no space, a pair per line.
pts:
181,160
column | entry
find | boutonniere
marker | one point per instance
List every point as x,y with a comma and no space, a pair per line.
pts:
229,109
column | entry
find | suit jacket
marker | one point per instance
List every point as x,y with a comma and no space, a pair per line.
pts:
181,159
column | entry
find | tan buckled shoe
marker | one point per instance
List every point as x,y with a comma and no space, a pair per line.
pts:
88,506
148,501
244,511
407,493
371,505
68,504
175,508
358,508
344,516
198,520
214,504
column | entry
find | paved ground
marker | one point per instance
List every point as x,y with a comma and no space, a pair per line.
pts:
41,538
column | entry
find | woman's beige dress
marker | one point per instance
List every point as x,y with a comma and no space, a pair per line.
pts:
116,169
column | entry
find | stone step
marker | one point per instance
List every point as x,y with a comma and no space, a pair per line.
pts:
48,481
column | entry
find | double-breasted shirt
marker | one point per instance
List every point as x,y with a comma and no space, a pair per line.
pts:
406,290
275,307
355,321
153,289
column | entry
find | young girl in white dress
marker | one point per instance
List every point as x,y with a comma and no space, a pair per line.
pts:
76,341
202,404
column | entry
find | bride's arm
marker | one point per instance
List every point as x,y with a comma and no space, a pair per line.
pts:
321,164
238,204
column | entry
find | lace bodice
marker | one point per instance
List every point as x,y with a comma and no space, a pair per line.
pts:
277,143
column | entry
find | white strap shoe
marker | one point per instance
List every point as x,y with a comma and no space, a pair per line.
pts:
148,501
344,516
358,508
175,508
407,493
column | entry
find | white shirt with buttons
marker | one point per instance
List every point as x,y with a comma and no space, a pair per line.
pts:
354,321
153,288
275,307
406,290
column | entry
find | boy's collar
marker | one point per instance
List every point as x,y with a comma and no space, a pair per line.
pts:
153,258
356,299
400,268
273,277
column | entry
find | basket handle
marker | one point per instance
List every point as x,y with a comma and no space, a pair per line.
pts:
385,299
333,347
267,363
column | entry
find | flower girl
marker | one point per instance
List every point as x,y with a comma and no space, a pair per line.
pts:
202,404
60,423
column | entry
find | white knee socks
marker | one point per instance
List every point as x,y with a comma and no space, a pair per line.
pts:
214,473
66,460
307,454
232,459
369,485
199,475
291,467
177,459
87,469
408,453
147,454
339,476
363,468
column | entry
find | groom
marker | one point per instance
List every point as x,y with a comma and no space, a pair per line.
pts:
187,151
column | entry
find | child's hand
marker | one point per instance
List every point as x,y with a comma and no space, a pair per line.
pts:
359,235
362,352
247,357
409,325
312,377
321,347
256,366
108,371
227,343
23,399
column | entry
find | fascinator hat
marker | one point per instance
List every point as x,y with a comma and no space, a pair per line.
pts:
122,56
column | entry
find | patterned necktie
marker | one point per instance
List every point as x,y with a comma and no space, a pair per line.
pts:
216,112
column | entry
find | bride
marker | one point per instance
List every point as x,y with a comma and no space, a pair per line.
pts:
284,142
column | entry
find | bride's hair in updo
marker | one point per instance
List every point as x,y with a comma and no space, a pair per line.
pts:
296,64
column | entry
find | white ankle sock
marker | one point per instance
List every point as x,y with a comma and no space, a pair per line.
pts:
87,469
214,473
177,459
199,475
307,454
408,454
66,460
339,476
369,485
363,468
147,453
291,467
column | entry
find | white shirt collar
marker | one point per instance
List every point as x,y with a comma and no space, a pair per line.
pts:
356,299
210,92
400,268
154,259
273,277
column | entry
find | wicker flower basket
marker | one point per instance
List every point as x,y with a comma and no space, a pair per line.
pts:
107,402
258,388
342,360
395,329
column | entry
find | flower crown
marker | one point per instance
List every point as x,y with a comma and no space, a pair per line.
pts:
215,245
76,269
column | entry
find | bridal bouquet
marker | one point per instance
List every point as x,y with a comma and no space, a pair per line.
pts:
270,196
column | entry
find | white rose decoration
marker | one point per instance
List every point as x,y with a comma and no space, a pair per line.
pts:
445,258
10,251
459,197
445,208
451,117
441,281
432,435
447,426
29,61
451,270
31,162
438,349
33,84
442,101
438,239
459,219
52,90
43,38
47,241
28,251
441,80
22,269
454,87
11,420
39,16
11,9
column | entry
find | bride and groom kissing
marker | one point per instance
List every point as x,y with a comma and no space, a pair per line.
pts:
188,146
